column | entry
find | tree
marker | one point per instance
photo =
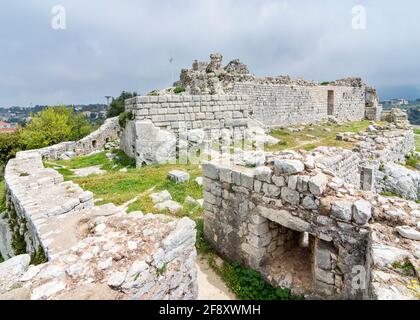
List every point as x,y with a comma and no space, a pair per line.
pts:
117,107
9,145
54,125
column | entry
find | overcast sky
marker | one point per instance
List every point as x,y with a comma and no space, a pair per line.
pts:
114,45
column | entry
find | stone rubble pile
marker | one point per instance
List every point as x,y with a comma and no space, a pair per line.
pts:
212,78
123,256
389,142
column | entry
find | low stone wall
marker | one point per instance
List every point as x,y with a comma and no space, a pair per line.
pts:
285,105
109,131
343,162
259,216
92,252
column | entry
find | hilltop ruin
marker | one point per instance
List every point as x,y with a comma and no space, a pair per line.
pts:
313,221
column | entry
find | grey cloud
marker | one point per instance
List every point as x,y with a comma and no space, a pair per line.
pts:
110,46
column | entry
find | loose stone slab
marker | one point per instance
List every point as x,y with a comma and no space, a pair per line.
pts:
160,196
409,233
179,176
171,205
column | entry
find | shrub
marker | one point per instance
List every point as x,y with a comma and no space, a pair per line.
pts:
117,105
124,117
153,93
179,89
10,144
325,83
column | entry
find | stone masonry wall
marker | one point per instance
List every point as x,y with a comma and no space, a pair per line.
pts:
176,112
244,208
256,216
283,105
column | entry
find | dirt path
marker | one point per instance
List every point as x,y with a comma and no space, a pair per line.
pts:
210,286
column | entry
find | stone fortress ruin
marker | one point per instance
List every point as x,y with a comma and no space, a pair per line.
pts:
313,221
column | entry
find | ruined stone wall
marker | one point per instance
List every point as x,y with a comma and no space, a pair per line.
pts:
283,105
383,143
256,216
343,162
95,141
244,208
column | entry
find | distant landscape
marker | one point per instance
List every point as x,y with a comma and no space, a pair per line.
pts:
95,113
412,108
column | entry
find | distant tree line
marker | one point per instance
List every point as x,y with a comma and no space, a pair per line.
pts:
414,115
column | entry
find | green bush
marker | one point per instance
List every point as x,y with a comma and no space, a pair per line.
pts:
124,117
325,83
152,93
179,89
10,144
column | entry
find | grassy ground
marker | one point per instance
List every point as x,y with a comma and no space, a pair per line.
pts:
2,196
313,136
119,187
417,139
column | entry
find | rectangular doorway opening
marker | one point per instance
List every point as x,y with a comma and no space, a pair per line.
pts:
291,260
330,107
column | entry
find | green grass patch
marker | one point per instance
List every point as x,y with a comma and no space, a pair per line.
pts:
390,194
416,131
84,161
313,136
411,162
120,187
65,167
406,268
417,140
248,284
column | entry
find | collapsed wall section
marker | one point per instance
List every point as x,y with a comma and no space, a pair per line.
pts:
95,141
